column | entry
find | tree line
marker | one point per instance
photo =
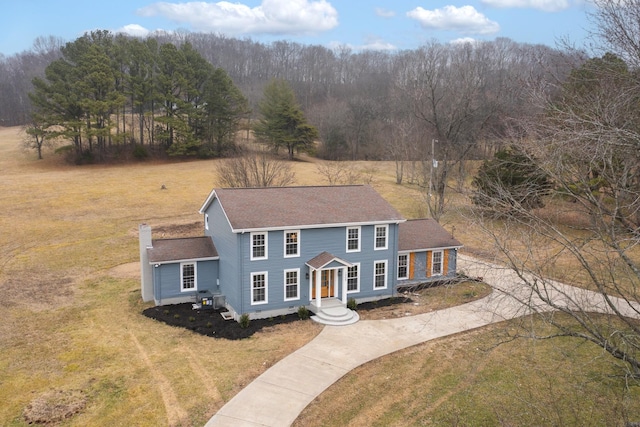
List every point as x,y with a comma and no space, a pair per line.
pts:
365,105
107,92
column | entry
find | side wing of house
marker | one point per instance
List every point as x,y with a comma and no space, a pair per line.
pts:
427,252
181,268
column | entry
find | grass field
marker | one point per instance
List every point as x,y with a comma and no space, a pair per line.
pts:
71,327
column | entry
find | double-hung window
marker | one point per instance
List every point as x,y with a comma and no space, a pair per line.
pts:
436,263
380,274
292,284
353,278
259,288
291,243
259,247
381,232
353,239
187,276
403,266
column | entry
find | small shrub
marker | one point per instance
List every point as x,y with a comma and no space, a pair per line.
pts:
140,152
166,311
209,324
352,304
244,321
470,294
176,316
303,312
192,319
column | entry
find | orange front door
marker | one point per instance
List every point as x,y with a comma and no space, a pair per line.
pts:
327,285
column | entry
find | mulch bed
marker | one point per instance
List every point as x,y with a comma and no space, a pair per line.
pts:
210,322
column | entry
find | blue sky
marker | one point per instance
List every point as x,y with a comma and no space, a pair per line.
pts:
359,24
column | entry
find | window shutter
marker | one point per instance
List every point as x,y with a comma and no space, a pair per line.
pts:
429,258
445,262
412,261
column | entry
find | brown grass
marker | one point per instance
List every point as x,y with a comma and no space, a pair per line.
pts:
472,380
69,297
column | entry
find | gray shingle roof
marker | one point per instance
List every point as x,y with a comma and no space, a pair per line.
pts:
424,234
187,248
280,207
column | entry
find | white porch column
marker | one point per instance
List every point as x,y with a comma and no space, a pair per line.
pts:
344,285
318,292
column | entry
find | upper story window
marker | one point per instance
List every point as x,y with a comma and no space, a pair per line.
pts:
291,243
187,277
380,274
353,239
381,236
436,263
206,221
259,246
403,266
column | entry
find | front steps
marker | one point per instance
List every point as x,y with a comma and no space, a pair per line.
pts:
333,312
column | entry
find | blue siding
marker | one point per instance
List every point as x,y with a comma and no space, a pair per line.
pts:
226,243
166,278
207,275
420,268
312,243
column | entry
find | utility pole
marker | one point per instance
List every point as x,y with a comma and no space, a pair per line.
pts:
433,165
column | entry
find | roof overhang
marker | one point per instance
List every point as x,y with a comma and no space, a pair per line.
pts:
323,259
179,261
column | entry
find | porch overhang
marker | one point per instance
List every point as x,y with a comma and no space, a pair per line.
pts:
325,260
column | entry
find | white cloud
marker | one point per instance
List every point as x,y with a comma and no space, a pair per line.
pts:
134,30
544,5
370,43
465,19
275,17
376,43
464,40
384,13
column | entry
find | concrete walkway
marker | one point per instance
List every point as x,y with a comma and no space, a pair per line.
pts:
277,397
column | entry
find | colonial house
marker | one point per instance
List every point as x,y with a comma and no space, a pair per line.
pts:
268,251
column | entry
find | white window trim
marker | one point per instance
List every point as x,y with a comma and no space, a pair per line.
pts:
386,273
296,255
195,277
357,289
297,271
386,237
433,253
359,238
406,267
266,288
266,245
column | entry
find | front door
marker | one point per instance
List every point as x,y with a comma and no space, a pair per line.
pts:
327,284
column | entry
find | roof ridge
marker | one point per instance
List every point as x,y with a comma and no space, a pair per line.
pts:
182,238
293,186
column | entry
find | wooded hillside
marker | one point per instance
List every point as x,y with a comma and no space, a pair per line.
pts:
365,105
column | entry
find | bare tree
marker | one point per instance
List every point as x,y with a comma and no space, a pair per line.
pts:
343,173
587,140
254,169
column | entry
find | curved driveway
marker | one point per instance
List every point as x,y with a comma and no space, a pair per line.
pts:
277,397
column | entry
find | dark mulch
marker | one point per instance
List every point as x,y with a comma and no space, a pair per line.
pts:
210,322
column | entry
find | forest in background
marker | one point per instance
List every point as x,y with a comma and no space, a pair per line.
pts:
365,104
